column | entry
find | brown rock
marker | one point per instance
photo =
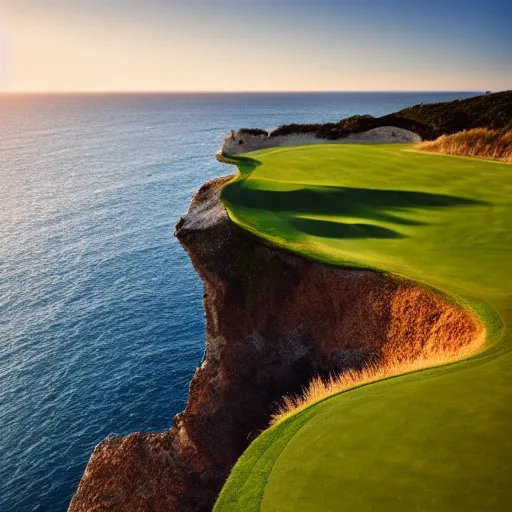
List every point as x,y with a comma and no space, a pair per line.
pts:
273,321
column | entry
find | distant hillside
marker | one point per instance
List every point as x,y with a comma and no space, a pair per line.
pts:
492,111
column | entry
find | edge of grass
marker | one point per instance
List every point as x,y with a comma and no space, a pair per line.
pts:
246,484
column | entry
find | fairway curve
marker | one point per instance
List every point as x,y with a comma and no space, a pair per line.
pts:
450,422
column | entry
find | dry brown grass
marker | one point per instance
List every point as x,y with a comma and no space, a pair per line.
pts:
478,142
319,389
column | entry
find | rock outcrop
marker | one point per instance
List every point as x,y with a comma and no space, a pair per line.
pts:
245,141
274,320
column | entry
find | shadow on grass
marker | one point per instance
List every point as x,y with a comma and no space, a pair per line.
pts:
361,203
333,229
246,165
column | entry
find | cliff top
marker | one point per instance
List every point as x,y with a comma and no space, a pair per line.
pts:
427,120
426,440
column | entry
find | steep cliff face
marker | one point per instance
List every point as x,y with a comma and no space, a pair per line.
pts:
273,321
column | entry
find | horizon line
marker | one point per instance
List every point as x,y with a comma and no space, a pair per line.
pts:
278,91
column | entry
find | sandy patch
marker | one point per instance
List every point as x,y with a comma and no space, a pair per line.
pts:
238,141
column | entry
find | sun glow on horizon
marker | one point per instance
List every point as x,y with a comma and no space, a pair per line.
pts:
66,50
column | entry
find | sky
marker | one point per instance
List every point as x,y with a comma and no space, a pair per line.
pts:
257,45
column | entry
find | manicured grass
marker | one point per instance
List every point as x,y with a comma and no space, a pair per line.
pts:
429,441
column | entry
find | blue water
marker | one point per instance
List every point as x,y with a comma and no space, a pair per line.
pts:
101,322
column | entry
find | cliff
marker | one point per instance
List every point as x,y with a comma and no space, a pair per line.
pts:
274,320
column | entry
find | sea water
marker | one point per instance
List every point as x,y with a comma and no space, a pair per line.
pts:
101,324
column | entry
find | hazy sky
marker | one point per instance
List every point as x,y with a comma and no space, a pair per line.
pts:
160,45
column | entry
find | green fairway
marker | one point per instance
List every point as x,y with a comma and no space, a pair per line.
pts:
429,441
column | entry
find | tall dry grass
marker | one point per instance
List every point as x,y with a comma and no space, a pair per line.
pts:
478,142
319,389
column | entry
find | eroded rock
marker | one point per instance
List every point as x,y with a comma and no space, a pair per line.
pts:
274,320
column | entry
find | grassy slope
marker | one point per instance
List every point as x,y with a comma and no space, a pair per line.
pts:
432,440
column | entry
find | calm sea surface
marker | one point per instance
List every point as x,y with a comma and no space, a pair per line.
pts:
101,324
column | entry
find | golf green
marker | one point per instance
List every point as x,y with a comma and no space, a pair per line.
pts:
432,440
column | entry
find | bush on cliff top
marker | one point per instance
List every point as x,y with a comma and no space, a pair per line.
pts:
478,142
253,131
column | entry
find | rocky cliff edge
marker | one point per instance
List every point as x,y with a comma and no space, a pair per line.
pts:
274,320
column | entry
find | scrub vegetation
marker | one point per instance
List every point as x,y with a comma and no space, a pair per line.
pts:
479,142
319,389
431,440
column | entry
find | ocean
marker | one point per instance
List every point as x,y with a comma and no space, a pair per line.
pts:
101,323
